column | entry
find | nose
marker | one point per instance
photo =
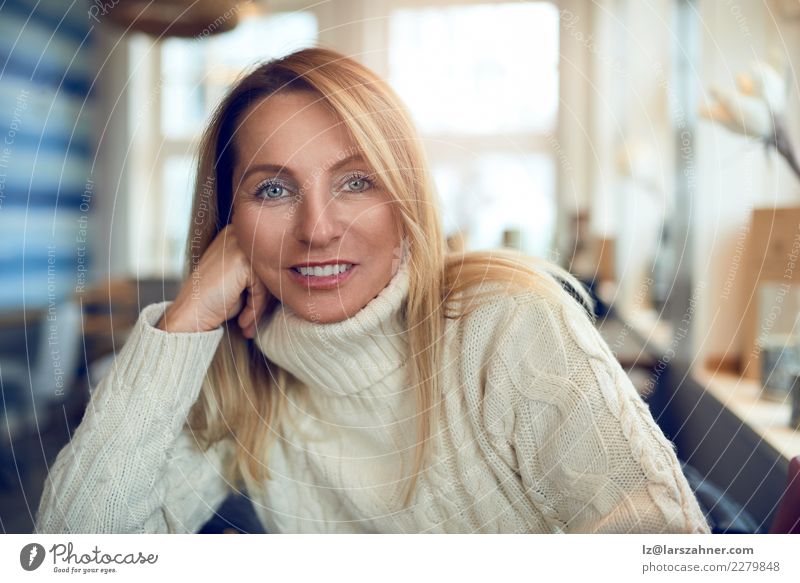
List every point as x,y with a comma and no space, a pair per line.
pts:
316,221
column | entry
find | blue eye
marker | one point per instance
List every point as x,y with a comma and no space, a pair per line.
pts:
361,179
274,189
270,190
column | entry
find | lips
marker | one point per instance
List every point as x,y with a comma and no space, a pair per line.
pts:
340,260
325,270
320,282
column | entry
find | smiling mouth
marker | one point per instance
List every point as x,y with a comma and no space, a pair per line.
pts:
324,270
330,276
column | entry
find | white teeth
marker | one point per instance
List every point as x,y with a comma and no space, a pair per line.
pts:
328,270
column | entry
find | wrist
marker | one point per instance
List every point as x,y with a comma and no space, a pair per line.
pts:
176,319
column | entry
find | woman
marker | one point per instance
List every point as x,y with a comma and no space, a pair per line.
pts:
396,389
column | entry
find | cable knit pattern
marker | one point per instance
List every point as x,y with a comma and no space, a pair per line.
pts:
602,446
540,431
130,466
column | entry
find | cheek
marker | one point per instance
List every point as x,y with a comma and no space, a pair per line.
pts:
378,224
244,228
257,238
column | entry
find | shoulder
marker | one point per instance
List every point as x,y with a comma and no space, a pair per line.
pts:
532,347
527,322
518,348
513,341
555,341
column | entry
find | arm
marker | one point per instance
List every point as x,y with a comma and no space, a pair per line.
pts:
131,465
588,451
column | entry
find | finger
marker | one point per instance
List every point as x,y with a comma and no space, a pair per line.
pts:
256,303
246,315
260,296
250,331
236,309
252,291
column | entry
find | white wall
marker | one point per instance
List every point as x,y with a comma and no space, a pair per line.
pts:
627,46
109,220
733,174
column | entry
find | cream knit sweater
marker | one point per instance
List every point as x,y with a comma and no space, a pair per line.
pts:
541,431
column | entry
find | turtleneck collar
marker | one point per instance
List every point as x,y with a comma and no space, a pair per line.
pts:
346,357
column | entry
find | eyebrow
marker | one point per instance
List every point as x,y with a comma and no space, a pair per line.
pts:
269,167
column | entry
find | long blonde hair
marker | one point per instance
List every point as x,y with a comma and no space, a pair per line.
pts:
244,394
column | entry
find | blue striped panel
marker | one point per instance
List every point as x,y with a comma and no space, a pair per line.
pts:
46,149
70,19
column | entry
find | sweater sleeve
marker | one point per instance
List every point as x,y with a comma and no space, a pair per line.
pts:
132,465
588,451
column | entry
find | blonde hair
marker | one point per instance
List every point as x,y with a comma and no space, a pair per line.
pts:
244,395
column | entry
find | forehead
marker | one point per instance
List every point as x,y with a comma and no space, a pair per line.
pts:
294,128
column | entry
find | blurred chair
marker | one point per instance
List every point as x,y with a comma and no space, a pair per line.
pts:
723,513
111,309
31,387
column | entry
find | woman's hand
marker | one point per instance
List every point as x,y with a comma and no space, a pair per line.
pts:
213,293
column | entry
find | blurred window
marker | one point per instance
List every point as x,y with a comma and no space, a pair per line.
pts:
481,81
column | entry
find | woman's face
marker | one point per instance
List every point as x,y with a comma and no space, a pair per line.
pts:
303,195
